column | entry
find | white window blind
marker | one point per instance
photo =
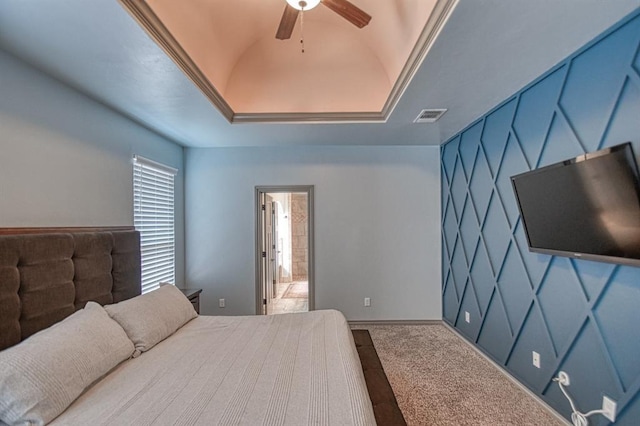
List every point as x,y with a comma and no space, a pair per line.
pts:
153,217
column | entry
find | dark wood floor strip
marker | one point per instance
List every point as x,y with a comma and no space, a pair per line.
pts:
385,405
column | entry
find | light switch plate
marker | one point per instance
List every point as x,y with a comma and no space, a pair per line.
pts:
536,359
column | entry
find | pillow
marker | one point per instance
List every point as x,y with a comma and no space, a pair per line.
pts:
152,317
43,375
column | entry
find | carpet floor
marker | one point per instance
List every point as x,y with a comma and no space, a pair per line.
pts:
439,380
385,405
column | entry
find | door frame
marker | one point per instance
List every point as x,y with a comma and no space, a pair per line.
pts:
259,190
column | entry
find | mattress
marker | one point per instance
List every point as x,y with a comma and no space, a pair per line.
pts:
291,369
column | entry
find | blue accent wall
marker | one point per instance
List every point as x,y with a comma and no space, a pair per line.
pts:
582,317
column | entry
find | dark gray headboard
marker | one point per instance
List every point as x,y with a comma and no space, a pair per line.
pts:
46,277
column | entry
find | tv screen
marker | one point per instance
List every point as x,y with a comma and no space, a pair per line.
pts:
586,207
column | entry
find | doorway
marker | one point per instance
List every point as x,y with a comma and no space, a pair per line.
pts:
284,249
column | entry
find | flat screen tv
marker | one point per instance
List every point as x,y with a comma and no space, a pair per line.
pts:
586,207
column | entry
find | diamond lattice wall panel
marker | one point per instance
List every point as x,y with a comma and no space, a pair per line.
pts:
513,162
469,143
535,264
451,227
561,143
562,301
497,127
470,230
459,269
537,101
450,305
496,233
449,156
445,263
481,186
482,278
593,276
444,195
581,316
458,189
625,115
619,306
469,305
631,414
495,336
516,292
588,354
496,132
533,337
594,82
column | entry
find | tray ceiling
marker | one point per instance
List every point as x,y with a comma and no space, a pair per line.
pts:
487,51
229,50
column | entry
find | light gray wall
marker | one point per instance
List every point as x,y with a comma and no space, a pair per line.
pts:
377,226
66,160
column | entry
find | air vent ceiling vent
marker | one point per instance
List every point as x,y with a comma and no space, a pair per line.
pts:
429,115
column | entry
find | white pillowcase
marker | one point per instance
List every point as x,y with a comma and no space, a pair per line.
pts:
152,317
43,375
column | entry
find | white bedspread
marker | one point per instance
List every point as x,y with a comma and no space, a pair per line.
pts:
292,369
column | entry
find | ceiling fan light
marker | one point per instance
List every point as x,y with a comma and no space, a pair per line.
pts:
306,4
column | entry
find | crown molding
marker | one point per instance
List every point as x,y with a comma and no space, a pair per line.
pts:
438,18
154,27
310,117
148,20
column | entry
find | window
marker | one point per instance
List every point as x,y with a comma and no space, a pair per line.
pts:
153,217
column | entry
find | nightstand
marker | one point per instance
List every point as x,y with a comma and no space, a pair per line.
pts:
193,294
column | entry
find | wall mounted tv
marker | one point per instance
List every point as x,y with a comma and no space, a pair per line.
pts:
586,207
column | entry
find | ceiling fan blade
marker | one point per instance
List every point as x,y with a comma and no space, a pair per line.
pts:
348,11
288,21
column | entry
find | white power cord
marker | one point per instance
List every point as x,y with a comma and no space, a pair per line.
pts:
577,418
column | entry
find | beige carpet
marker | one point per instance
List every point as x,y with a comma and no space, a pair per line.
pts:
439,380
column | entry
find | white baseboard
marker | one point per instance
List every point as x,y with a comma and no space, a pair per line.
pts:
509,376
394,322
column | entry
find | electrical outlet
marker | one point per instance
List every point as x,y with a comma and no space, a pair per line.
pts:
563,379
367,301
221,303
536,359
467,317
609,408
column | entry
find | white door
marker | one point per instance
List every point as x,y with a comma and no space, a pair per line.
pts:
268,251
269,258
277,250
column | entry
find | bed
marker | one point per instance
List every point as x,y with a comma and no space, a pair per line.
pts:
150,359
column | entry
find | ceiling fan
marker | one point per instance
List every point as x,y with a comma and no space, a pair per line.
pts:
344,8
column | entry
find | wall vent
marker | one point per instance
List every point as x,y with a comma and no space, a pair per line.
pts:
429,115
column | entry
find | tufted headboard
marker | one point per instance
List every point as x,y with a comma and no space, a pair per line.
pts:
46,277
